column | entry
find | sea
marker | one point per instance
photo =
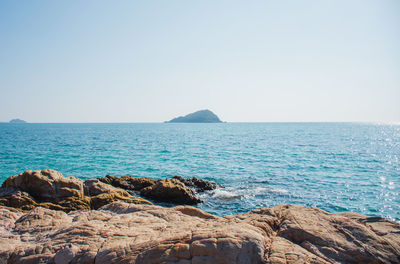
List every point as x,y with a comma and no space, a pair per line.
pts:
338,167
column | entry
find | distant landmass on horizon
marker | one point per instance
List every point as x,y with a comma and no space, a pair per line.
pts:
202,116
17,120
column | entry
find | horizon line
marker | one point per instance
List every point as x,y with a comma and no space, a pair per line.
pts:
223,122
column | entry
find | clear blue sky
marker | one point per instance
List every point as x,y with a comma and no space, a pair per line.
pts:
149,61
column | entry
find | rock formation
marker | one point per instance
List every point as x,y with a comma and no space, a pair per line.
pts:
202,116
197,184
17,120
177,190
46,218
50,189
171,191
128,182
132,233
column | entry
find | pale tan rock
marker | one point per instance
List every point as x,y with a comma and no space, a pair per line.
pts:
134,233
192,211
333,238
66,254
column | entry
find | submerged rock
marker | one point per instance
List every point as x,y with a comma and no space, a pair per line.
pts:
131,233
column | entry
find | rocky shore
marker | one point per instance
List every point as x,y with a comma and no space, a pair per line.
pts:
48,218
51,190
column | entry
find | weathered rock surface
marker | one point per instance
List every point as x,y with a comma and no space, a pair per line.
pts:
128,182
177,190
12,197
102,194
170,191
132,230
46,185
197,184
50,189
131,233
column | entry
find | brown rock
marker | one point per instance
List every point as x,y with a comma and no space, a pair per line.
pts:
170,191
50,189
197,184
131,233
95,187
12,197
75,203
107,198
46,185
128,182
102,194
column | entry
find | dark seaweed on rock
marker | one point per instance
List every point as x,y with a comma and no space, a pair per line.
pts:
170,191
128,182
177,190
197,184
50,189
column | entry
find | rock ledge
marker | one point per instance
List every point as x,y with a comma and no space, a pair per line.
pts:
133,233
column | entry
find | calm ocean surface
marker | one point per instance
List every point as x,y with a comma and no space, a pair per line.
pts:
334,166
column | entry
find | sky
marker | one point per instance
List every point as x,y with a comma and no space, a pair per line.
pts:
247,61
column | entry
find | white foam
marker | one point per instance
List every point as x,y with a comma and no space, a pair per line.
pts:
231,193
224,194
264,190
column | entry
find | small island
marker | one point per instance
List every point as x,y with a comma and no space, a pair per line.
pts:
17,120
202,116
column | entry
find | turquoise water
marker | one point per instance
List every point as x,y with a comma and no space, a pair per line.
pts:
334,166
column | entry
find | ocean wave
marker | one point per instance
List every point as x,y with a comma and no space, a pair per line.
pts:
266,190
223,194
231,193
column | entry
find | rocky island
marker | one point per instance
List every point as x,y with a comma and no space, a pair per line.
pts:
48,218
17,121
202,116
